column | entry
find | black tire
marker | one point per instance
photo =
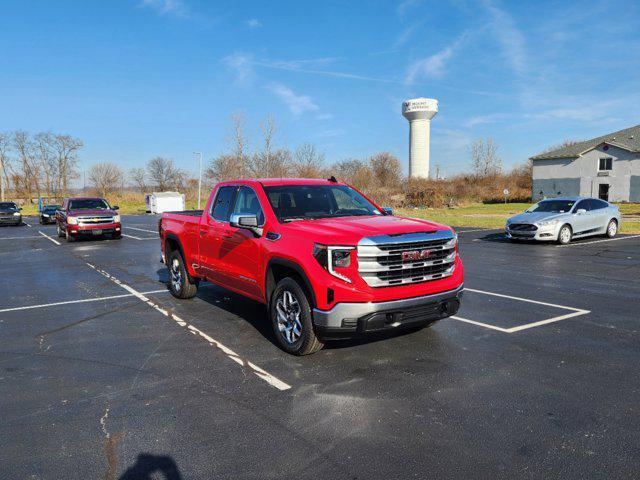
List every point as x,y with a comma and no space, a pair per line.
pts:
563,239
612,233
60,232
69,237
116,236
297,317
181,284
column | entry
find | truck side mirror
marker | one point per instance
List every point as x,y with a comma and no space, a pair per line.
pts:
387,210
115,207
244,221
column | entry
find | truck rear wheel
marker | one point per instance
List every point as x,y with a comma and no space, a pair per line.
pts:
181,285
291,318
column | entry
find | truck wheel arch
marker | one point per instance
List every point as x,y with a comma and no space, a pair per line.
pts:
278,268
171,244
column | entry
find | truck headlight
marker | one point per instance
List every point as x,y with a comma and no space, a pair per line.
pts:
16,214
116,219
72,220
331,257
548,223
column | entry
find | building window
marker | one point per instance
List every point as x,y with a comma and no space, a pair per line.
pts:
606,164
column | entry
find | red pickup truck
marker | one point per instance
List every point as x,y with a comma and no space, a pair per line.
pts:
87,216
327,261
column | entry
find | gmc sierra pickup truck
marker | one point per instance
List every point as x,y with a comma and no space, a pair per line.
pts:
87,216
327,261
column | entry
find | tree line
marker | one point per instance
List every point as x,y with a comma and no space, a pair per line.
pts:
45,163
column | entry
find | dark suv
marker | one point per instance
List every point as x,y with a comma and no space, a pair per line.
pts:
10,214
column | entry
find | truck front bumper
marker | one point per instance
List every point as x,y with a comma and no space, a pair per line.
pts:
347,320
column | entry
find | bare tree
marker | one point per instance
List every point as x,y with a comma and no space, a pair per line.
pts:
139,178
5,147
106,177
27,179
485,161
45,159
386,169
239,145
354,171
65,150
308,162
223,167
164,174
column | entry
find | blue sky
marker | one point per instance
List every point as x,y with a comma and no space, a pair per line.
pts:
140,78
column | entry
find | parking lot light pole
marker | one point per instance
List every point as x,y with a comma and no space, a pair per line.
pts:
199,177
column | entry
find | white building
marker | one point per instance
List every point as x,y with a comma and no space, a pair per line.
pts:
606,167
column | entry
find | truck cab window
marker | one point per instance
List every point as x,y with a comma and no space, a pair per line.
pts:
221,207
247,203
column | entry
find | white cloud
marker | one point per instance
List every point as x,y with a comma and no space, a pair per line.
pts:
406,5
253,23
508,35
434,65
241,64
176,8
298,104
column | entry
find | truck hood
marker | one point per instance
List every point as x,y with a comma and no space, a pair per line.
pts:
96,212
534,217
349,230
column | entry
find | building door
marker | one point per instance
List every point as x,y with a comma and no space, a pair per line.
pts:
603,192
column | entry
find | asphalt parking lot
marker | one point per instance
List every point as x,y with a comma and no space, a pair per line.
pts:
104,375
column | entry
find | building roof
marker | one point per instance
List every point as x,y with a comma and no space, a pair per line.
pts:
627,139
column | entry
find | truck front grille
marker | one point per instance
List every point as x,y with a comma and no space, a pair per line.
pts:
95,220
389,260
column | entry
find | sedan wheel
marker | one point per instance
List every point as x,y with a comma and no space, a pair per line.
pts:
564,236
612,229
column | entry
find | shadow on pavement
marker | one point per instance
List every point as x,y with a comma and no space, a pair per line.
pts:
152,467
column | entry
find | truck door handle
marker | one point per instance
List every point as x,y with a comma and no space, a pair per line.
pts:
203,233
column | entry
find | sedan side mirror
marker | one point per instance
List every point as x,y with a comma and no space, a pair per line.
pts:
581,211
387,210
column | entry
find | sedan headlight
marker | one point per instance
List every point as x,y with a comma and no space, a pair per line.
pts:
72,220
331,257
548,223
116,219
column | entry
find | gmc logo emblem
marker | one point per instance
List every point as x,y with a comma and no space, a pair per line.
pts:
416,255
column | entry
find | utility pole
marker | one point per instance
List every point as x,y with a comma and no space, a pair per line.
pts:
199,177
437,172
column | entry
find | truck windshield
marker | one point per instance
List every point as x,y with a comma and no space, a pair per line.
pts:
303,202
556,206
88,204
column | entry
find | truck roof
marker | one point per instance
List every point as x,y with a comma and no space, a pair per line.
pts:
272,182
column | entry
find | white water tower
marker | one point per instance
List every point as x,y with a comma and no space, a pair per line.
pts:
419,112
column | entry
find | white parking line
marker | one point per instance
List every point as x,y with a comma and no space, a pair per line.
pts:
138,238
47,236
28,225
84,300
599,241
141,229
17,238
259,372
575,312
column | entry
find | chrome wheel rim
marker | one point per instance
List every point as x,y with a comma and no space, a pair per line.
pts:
176,275
565,235
288,315
613,229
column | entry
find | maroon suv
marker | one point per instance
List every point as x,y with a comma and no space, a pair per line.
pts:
87,216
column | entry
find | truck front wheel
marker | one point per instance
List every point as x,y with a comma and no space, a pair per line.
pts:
291,318
181,285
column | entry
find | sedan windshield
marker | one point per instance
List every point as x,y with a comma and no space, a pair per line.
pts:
8,206
555,206
51,208
302,202
88,204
